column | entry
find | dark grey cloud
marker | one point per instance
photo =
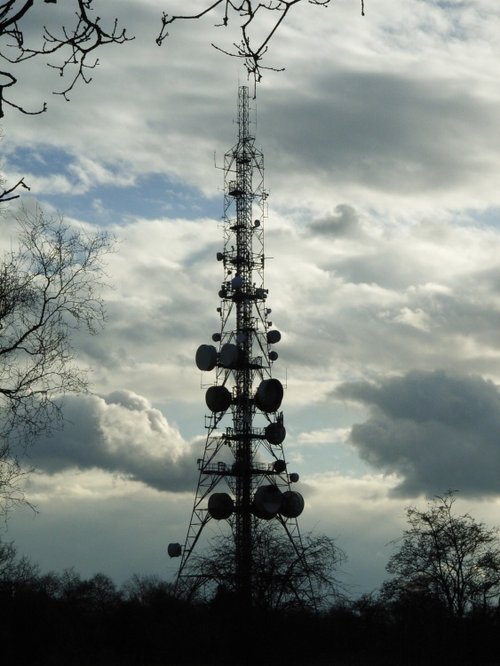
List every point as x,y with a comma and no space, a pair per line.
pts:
436,430
394,132
120,433
344,222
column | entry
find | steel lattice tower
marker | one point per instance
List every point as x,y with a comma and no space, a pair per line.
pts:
247,456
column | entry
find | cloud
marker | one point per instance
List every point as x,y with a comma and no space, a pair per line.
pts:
436,430
409,146
326,436
394,111
95,522
396,297
161,308
382,111
382,160
119,433
344,222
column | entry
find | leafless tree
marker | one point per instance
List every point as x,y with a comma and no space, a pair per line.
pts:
280,572
145,589
13,568
74,44
49,287
452,558
253,46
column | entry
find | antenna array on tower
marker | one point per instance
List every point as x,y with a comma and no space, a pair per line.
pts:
243,474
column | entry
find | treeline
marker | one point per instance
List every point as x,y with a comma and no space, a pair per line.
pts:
440,605
56,619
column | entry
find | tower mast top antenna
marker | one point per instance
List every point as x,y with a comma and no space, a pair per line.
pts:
243,113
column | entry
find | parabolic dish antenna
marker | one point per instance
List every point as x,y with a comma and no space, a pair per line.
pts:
273,336
218,398
174,550
206,357
279,466
269,395
267,502
275,433
237,282
220,506
292,504
229,355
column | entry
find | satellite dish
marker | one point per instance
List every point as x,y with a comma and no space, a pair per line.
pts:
220,256
267,502
275,433
206,357
229,356
220,506
237,282
269,395
273,356
273,336
292,504
218,398
174,550
294,477
279,466
216,337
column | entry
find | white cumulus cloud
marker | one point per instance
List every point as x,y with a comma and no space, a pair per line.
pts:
120,433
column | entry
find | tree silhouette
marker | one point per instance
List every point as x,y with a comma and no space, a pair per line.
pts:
452,559
280,571
48,289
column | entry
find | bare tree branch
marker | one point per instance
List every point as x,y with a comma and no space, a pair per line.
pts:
77,44
7,194
246,12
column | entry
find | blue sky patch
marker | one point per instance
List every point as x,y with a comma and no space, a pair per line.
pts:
152,195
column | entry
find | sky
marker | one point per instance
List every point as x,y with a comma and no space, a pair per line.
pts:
382,151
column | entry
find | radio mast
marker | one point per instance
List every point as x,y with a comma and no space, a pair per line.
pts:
243,461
